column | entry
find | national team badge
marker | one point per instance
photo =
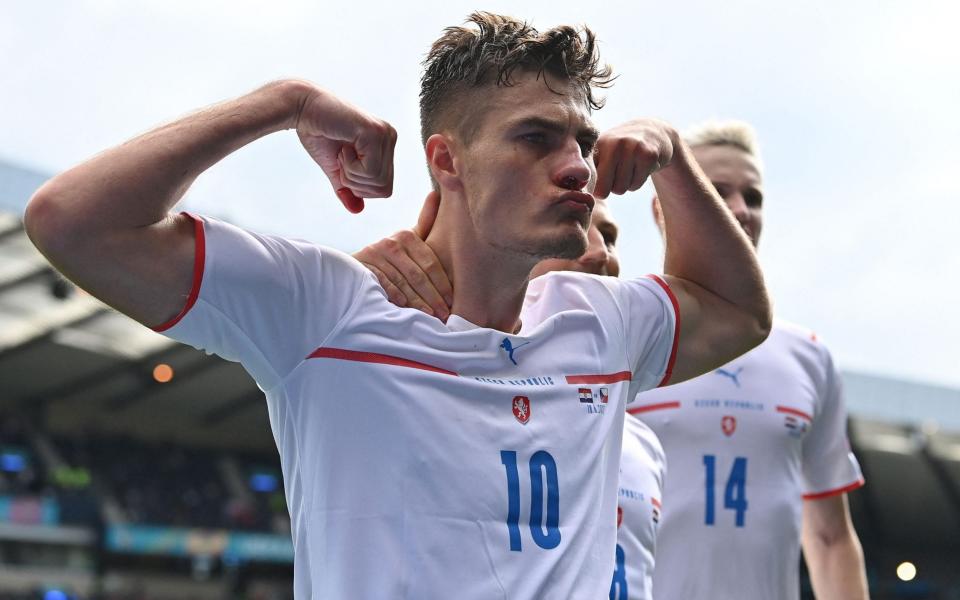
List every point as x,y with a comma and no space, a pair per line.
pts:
586,395
604,395
728,424
521,409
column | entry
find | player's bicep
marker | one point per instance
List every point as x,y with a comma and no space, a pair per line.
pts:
712,330
146,272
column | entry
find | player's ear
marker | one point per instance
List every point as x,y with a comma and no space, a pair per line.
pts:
657,213
441,158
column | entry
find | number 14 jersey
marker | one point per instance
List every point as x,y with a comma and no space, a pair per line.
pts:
745,444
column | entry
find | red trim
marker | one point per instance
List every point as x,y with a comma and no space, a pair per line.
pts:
793,411
650,407
676,329
655,502
373,357
843,490
199,257
607,378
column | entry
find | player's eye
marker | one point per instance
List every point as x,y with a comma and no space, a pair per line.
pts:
535,137
753,198
721,188
586,147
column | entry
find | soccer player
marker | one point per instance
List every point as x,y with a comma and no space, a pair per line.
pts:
422,458
405,266
758,453
782,460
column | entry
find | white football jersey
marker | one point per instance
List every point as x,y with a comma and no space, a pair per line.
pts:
746,443
432,460
642,470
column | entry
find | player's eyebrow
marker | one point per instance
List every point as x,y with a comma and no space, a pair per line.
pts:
586,132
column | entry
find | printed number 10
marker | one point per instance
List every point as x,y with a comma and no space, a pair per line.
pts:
735,492
547,538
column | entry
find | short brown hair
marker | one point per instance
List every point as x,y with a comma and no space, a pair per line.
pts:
470,57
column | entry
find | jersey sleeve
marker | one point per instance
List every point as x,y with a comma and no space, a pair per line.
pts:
651,324
261,300
829,466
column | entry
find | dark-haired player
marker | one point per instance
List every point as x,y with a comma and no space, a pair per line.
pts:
420,458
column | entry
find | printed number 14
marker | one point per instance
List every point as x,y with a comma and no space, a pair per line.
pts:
735,492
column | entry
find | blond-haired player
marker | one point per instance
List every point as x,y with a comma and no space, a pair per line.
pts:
758,453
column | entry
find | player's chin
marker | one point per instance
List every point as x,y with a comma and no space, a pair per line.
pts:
565,243
549,265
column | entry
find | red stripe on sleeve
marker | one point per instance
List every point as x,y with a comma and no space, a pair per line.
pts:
649,407
373,357
676,328
843,490
199,258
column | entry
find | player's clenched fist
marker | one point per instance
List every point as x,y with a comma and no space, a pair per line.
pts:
354,148
627,154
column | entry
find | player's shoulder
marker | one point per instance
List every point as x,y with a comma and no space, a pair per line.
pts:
568,288
572,279
225,238
792,333
798,340
587,288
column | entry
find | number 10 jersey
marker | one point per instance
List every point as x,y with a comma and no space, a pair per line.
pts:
424,459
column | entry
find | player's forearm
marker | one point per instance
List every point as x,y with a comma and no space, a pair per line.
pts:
137,183
704,244
836,568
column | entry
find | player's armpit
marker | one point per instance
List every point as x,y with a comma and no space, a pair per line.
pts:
146,273
713,331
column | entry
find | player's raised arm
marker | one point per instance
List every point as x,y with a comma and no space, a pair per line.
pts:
710,265
106,224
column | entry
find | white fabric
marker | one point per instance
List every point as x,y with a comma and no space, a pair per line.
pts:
779,409
642,471
396,438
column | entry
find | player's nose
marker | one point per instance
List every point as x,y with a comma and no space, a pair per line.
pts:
573,170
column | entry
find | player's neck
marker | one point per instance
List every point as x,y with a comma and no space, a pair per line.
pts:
488,283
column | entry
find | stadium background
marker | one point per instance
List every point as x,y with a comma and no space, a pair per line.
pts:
116,485
134,468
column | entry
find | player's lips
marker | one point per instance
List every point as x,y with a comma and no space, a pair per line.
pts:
577,200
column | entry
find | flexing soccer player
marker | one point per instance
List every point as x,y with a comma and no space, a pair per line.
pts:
406,267
794,448
420,458
758,453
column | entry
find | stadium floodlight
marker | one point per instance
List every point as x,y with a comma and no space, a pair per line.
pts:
906,571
